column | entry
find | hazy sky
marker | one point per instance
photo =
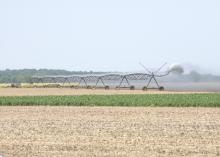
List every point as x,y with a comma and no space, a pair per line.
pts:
109,35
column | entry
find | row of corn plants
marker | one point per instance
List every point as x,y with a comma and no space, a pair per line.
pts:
160,100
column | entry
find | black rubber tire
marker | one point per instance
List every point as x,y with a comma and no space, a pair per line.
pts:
161,88
132,88
107,87
144,88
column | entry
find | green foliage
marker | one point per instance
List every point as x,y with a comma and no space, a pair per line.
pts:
24,75
154,100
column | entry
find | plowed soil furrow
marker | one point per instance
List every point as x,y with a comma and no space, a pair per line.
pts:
109,131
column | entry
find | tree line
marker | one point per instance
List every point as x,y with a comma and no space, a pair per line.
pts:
24,75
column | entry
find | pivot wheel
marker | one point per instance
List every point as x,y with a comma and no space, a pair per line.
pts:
144,88
161,88
107,87
132,87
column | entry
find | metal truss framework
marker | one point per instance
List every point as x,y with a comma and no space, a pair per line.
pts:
96,79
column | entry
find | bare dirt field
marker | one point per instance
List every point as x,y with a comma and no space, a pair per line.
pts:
109,131
69,91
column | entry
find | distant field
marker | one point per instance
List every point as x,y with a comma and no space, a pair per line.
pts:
153,100
169,86
38,85
71,91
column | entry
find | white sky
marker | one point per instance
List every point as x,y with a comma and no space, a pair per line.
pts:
109,35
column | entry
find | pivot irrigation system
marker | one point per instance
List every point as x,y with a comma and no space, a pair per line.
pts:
118,80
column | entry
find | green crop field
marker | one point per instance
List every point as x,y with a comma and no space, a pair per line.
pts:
153,100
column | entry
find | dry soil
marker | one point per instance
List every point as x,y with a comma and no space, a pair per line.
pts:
109,131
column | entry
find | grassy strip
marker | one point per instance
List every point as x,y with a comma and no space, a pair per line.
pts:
168,100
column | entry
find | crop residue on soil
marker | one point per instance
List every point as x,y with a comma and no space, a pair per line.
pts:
109,131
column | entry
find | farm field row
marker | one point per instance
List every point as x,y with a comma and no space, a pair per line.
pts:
109,131
69,91
170,86
153,100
